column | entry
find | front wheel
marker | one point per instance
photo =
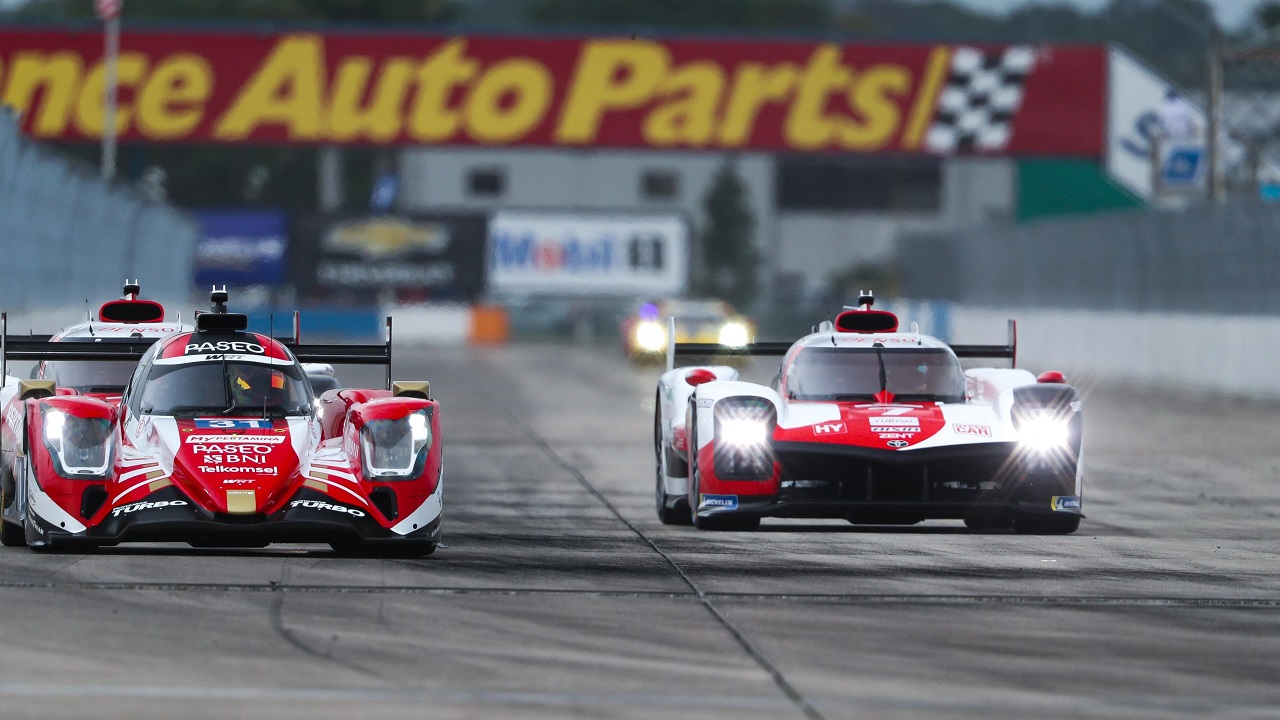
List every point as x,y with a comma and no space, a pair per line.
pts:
1024,524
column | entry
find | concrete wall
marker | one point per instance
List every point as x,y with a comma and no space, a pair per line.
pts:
814,245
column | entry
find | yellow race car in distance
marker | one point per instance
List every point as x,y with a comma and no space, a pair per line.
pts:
644,333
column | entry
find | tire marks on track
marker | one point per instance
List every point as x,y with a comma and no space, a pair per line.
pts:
790,691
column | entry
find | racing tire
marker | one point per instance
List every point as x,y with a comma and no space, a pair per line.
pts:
1024,524
12,534
669,512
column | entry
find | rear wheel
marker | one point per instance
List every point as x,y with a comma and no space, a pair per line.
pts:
1045,524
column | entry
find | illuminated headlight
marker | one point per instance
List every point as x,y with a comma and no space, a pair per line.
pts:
651,336
80,447
396,449
1044,433
743,433
734,335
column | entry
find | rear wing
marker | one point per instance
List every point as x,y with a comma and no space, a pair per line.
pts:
676,351
38,348
1008,351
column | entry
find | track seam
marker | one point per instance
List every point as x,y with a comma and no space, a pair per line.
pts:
789,690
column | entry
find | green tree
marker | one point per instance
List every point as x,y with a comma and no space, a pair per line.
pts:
729,257
1268,14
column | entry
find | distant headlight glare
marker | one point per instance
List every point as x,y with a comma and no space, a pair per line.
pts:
734,335
651,336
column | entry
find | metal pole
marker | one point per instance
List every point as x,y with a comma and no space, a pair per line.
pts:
1213,147
109,101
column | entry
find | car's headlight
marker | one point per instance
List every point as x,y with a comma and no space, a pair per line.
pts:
743,433
80,447
734,334
651,336
743,430
1044,433
396,449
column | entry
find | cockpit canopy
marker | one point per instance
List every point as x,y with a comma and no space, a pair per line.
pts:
275,389
842,373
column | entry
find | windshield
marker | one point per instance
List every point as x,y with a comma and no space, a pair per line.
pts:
225,388
109,376
922,374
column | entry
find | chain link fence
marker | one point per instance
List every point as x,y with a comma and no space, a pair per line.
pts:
1222,258
67,236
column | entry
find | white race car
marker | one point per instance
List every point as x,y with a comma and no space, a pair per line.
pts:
873,425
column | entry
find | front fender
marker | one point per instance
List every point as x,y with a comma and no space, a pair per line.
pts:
674,392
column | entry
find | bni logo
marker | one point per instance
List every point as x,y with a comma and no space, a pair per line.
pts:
830,429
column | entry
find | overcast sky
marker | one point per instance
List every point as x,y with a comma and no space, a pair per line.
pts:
1231,13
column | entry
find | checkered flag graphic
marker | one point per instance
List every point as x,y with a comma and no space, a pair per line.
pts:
977,105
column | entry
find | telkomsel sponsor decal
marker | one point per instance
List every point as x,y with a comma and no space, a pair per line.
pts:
146,505
321,505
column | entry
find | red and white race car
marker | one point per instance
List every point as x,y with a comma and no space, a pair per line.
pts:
873,425
134,429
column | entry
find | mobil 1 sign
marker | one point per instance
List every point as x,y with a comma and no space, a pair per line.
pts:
580,254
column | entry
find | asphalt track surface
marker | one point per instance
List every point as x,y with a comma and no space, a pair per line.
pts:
560,595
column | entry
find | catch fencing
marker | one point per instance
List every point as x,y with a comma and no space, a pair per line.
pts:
66,235
1214,258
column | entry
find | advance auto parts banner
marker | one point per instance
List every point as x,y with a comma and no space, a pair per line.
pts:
437,257
609,92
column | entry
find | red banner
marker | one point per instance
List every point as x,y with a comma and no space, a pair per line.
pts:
599,91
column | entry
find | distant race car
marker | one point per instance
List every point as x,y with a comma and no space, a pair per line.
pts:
645,334
873,425
137,430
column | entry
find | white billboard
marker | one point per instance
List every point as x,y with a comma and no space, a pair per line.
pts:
587,254
1137,95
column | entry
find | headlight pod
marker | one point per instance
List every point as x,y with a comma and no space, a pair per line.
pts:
651,336
743,429
80,447
396,449
734,335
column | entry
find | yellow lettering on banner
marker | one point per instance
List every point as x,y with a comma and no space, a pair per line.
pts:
432,120
172,103
527,87
754,86
380,119
612,75
287,90
130,70
690,118
56,77
807,126
871,97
